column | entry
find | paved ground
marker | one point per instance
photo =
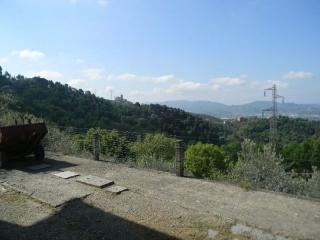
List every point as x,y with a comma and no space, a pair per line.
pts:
158,205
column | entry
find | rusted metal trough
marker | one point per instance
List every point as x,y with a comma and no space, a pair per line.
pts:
22,140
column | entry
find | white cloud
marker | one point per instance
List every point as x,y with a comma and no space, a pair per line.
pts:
79,60
77,82
167,86
93,73
103,3
165,79
229,81
217,83
257,85
72,1
155,92
48,74
3,60
185,86
143,78
298,75
175,85
280,84
109,92
125,77
267,84
108,89
29,54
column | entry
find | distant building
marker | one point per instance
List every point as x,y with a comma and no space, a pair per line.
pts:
120,99
240,119
226,121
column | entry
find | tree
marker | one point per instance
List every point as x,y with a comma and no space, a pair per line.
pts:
203,160
301,157
231,149
111,143
293,154
156,147
264,169
6,101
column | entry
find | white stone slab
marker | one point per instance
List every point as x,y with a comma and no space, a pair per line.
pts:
95,181
116,189
251,232
66,174
45,187
212,233
39,166
2,189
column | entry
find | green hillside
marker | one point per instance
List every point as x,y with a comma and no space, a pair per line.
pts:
66,106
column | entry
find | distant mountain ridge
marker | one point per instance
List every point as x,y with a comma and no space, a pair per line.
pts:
310,111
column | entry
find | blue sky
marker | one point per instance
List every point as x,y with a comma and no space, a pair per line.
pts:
156,50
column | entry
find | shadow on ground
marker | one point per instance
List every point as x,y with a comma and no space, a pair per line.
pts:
79,221
22,164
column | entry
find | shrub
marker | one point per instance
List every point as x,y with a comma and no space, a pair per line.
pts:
264,169
204,160
111,143
114,145
153,148
231,150
59,141
313,185
302,156
78,140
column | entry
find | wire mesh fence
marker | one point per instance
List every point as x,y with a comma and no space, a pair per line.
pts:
154,151
165,153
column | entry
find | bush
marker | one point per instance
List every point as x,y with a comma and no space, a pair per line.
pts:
204,160
59,141
78,140
231,150
112,144
313,185
264,169
302,156
153,148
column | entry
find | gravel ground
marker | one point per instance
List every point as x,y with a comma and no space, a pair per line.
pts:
158,205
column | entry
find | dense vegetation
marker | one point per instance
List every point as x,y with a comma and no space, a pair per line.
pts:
263,168
204,160
289,129
302,157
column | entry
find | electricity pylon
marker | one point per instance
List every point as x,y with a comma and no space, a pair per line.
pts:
274,110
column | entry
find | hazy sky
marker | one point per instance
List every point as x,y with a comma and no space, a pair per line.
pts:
155,50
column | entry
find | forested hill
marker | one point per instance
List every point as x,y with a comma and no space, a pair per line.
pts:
66,106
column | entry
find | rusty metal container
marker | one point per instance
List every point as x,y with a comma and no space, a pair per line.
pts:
21,140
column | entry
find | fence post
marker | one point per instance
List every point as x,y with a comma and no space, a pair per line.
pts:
96,148
179,158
